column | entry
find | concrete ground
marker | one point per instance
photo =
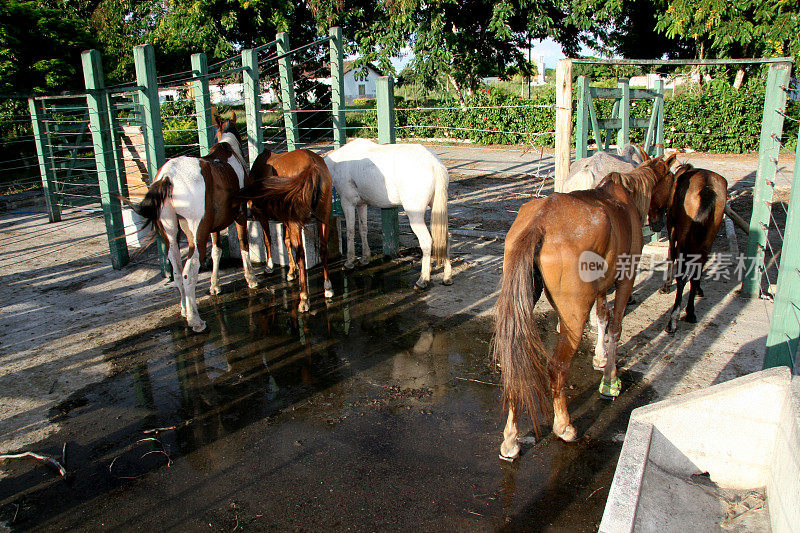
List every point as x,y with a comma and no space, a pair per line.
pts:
409,380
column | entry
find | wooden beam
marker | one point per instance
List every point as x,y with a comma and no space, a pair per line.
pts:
563,121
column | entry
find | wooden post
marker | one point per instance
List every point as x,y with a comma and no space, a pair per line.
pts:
582,119
45,157
660,118
97,103
386,135
784,328
255,143
563,121
145,63
624,134
337,87
287,91
202,103
768,149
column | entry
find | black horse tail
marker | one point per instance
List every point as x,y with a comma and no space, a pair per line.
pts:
150,206
708,200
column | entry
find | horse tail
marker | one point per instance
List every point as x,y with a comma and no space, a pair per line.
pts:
708,200
439,230
517,347
150,206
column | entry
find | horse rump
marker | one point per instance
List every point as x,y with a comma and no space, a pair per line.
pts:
517,347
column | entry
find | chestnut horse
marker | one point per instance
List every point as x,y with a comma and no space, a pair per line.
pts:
696,207
573,246
293,188
195,194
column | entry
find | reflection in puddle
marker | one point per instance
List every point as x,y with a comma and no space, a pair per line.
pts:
364,412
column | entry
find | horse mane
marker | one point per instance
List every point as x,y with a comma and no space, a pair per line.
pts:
639,183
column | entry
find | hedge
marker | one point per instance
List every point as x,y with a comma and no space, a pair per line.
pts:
715,118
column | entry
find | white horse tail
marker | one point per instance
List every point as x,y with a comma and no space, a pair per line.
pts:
439,230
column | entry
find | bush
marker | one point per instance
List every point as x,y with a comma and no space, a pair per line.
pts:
716,118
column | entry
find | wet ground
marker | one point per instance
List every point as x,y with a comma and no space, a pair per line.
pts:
367,414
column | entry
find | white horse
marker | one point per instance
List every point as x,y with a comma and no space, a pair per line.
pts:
194,194
409,175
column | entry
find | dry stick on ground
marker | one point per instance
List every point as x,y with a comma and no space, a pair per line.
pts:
35,456
168,428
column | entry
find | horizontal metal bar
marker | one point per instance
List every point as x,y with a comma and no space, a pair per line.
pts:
753,61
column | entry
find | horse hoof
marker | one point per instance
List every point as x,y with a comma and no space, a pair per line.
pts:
510,454
198,326
349,265
183,312
328,293
598,363
268,269
364,261
507,459
269,266
700,293
691,319
447,282
664,289
611,388
671,328
570,434
421,286
290,277
303,307
214,290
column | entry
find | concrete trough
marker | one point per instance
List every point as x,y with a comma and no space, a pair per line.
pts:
726,458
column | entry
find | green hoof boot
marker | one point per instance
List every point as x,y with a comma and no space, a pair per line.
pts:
610,389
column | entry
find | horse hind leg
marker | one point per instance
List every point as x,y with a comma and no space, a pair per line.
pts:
170,225
244,245
323,228
509,449
417,221
362,228
190,274
268,245
447,274
216,255
600,317
350,228
295,234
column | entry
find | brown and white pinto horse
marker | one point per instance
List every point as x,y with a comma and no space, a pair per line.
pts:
293,188
696,207
196,194
573,247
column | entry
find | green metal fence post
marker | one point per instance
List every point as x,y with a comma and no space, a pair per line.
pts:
45,156
660,118
104,157
337,87
386,135
202,102
252,103
624,113
205,125
784,328
287,90
255,143
582,119
768,149
145,63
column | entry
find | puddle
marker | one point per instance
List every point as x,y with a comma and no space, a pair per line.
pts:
366,414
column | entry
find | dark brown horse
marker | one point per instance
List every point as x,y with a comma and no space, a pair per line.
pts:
574,247
293,188
196,194
696,207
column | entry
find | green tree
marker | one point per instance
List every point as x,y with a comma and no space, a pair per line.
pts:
40,48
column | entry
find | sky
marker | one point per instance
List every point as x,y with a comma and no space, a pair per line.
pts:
548,48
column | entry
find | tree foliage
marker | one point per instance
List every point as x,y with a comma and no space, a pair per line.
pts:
749,28
40,48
